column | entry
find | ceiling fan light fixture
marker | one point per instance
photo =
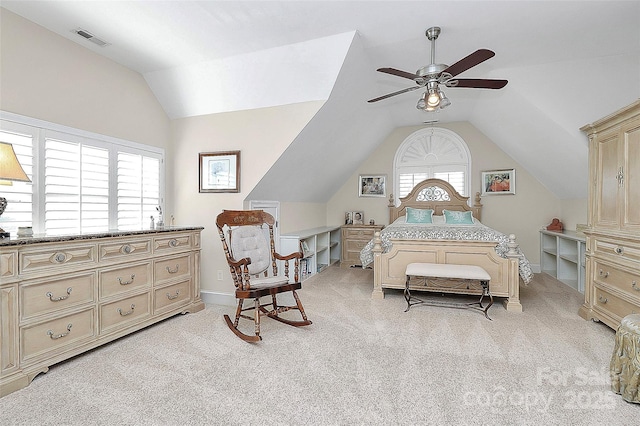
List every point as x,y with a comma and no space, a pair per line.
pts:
421,103
433,99
444,101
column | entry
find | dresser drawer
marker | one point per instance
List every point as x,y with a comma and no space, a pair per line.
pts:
618,250
172,297
605,273
173,243
123,250
613,305
62,332
172,268
121,280
359,233
44,296
53,259
120,313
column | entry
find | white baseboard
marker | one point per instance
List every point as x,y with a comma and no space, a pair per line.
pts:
535,268
216,298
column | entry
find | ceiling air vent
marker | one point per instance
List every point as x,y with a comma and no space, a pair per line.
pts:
88,36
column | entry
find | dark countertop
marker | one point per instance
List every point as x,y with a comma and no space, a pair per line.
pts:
43,238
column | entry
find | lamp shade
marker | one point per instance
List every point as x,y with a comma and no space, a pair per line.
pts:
10,168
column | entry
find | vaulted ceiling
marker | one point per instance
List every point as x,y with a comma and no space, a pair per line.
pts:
568,63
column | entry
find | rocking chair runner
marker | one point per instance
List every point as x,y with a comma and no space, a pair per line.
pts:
249,256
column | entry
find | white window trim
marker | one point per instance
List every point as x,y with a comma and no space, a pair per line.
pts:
49,128
450,135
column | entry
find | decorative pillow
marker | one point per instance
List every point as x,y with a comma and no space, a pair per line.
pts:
458,217
419,215
249,241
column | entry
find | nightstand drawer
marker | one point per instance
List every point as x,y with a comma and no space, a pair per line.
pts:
359,233
116,281
44,296
355,245
613,276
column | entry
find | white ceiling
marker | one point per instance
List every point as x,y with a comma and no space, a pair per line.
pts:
568,63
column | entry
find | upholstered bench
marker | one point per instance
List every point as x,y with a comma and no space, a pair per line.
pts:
467,277
625,361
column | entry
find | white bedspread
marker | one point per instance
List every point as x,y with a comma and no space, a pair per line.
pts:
441,231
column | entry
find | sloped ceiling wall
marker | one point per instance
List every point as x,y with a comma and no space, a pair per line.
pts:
568,64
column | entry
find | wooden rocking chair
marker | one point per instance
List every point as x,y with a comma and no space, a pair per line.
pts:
249,255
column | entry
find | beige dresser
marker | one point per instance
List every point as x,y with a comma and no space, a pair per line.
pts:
612,288
61,296
354,238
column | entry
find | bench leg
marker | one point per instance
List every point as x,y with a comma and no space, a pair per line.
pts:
486,292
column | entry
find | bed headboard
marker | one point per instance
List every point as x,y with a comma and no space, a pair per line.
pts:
435,194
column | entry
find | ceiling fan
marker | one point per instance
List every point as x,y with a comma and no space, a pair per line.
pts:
430,77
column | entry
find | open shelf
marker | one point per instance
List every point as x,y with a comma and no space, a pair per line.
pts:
562,256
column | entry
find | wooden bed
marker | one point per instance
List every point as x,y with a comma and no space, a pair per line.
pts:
389,268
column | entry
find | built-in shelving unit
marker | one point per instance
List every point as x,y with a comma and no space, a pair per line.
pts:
320,246
562,255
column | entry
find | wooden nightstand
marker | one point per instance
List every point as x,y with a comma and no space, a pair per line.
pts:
354,238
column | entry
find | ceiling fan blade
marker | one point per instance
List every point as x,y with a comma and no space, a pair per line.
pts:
477,83
399,73
469,61
409,89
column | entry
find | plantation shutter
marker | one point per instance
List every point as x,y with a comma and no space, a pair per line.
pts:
138,190
76,187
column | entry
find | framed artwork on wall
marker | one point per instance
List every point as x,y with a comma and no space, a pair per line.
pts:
372,186
219,171
499,182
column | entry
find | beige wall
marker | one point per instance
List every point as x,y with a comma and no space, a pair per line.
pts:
46,76
261,136
523,214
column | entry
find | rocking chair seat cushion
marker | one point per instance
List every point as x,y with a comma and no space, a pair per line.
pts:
249,241
266,282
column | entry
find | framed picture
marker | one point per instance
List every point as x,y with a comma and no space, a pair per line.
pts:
372,186
497,182
358,218
219,171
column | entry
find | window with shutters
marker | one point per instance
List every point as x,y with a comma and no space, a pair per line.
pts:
432,153
80,182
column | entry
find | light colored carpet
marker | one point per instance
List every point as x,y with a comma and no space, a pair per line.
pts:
362,361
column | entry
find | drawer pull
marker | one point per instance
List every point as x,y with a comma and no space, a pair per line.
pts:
619,250
603,300
173,271
127,249
60,257
124,314
57,336
604,274
173,242
170,297
127,282
59,298
634,285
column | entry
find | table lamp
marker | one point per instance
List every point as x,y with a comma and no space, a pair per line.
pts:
10,171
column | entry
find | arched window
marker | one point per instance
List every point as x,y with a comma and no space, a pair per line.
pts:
432,153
